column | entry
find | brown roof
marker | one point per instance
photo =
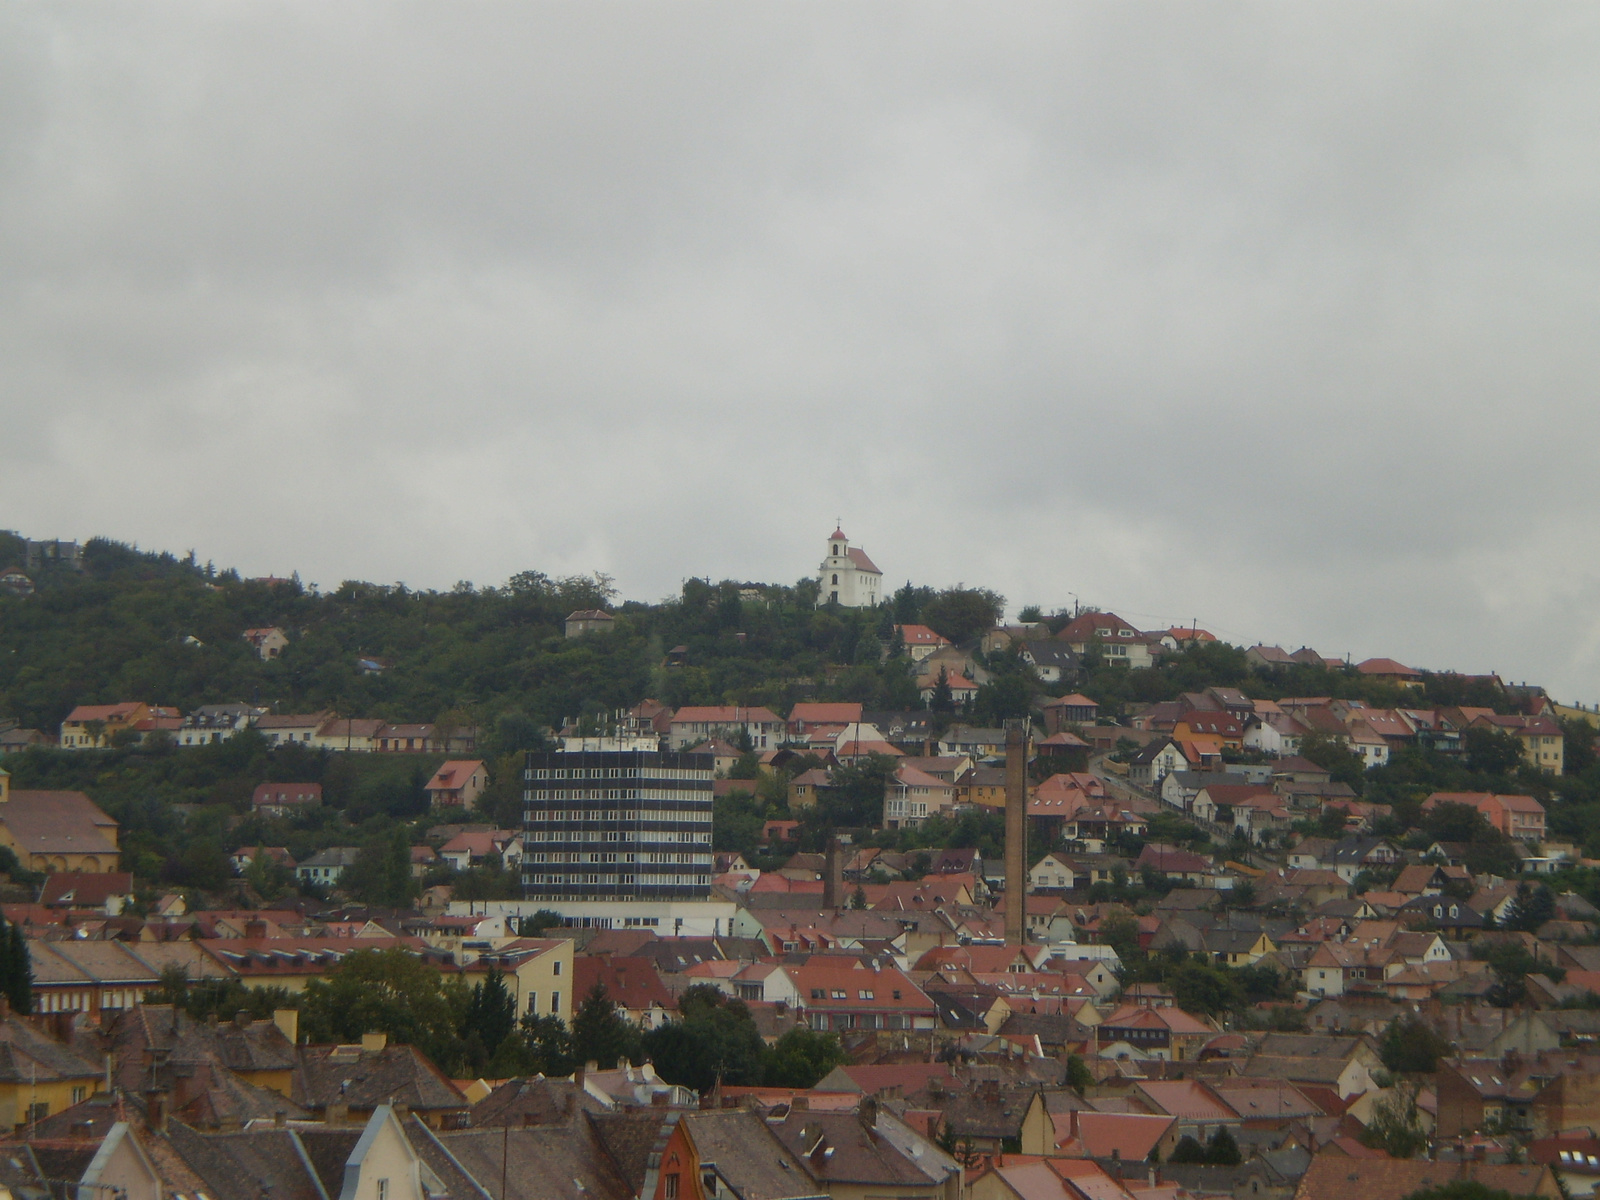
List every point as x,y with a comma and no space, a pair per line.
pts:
1338,1177
538,1101
85,889
58,823
632,982
365,1079
748,1155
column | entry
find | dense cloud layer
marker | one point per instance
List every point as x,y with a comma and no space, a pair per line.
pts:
1277,317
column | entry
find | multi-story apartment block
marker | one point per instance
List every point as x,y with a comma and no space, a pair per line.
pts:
617,821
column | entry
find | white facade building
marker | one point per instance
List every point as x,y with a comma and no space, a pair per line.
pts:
849,578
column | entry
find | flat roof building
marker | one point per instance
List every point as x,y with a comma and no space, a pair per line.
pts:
626,825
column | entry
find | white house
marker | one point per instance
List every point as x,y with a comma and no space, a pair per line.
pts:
325,867
849,578
691,724
1050,872
216,723
269,642
1276,733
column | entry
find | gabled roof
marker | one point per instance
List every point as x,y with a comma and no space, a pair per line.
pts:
453,774
725,714
861,561
85,890
58,823
1387,666
1338,1177
632,982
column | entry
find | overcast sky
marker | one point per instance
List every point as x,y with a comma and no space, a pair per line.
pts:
1281,318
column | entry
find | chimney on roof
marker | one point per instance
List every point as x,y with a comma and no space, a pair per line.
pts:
155,1105
374,1043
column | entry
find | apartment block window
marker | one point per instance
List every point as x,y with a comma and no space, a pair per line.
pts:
555,1002
556,968
533,1002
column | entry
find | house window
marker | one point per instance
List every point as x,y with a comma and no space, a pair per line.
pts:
556,969
383,1189
555,1002
671,1192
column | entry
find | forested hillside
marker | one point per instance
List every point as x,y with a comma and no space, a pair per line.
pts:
142,626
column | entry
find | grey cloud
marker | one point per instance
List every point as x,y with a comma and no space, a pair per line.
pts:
1278,317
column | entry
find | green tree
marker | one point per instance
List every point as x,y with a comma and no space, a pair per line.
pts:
491,1014
381,872
1491,751
1200,987
1512,964
713,1038
1530,908
1188,1151
1120,931
800,1058
1411,1046
1222,1150
942,700
384,991
549,1043
1079,1078
1333,754
1460,1189
962,613
536,923
601,1034
1396,1125
16,969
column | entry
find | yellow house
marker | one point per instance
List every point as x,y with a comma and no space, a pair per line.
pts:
538,974
40,1076
1543,743
803,788
91,726
56,831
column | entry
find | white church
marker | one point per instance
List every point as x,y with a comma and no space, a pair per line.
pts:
849,577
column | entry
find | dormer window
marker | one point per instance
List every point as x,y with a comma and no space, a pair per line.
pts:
1124,633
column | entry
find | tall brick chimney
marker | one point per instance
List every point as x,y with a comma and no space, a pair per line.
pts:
833,875
1016,832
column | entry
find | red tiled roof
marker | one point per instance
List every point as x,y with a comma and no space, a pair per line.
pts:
634,983
453,774
731,714
862,562
88,890
1387,666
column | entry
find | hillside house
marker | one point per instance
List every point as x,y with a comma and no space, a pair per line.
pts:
268,642
457,784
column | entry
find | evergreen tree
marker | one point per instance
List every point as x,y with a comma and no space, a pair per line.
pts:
1222,1150
491,1012
600,1033
16,969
